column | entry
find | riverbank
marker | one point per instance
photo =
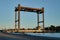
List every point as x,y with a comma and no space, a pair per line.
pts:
4,36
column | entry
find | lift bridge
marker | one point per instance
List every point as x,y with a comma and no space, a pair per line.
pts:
28,9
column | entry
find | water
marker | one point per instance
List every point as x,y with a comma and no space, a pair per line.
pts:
45,34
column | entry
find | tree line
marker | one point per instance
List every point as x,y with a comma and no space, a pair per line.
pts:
53,28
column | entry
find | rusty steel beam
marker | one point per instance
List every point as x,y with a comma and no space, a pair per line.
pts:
43,21
38,19
18,17
15,19
28,9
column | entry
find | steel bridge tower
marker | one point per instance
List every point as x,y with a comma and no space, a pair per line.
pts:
28,9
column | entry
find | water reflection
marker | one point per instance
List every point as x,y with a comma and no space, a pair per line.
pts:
45,34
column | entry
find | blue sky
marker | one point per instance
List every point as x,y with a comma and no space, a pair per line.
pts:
28,19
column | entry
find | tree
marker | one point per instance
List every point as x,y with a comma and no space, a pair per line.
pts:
57,28
52,27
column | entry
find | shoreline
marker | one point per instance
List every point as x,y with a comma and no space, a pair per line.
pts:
27,37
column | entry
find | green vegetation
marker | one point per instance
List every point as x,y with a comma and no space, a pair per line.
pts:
53,28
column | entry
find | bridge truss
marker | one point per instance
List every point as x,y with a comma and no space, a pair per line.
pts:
28,9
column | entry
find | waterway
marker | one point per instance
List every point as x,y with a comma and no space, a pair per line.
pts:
45,34
29,36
